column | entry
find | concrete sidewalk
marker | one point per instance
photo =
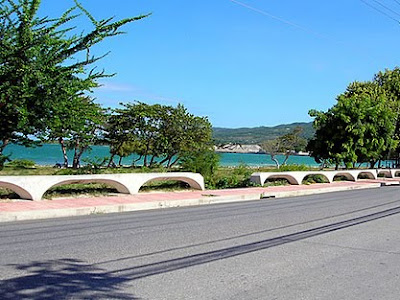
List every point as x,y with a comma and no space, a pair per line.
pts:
31,210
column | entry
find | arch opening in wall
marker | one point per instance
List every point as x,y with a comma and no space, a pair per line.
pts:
397,174
281,179
13,191
343,176
384,174
168,184
365,175
315,178
94,187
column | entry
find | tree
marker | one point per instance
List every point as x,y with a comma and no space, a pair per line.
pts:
36,66
292,142
389,81
86,130
159,134
203,161
358,129
286,144
272,148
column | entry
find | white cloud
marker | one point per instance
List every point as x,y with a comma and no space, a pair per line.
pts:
117,87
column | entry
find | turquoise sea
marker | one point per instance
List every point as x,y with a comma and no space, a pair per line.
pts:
50,154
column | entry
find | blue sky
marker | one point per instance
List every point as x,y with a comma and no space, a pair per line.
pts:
242,63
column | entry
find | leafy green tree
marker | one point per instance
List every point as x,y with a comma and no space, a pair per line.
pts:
292,142
389,81
204,161
358,129
159,134
286,144
42,64
86,130
272,148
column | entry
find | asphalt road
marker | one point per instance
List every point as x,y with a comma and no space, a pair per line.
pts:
334,246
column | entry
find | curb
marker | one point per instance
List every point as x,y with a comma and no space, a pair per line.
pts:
204,200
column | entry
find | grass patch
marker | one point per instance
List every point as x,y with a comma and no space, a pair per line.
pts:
341,178
276,182
317,178
74,190
165,186
6,194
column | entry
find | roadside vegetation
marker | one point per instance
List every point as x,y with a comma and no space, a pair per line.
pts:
48,71
362,127
216,177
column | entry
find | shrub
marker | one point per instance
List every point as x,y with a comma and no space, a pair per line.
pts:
21,163
276,182
317,178
242,170
287,168
204,162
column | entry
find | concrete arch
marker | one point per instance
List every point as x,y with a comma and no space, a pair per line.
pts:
288,177
396,173
33,187
345,174
121,188
386,173
368,174
191,182
317,173
20,191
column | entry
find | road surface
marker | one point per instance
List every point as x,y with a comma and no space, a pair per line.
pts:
342,245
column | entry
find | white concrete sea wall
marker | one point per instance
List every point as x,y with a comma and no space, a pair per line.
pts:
34,187
297,177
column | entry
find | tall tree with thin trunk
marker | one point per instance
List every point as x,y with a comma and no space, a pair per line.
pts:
37,71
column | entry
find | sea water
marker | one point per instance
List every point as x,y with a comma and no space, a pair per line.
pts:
50,154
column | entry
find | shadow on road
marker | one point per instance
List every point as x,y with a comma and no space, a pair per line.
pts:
71,279
63,279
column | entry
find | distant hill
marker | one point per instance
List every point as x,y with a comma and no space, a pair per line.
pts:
257,135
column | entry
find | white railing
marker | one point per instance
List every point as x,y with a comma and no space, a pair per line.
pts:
34,187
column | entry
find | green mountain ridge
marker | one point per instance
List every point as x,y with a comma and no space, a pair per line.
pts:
256,135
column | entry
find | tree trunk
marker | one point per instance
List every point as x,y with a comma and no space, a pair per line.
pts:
275,161
286,159
3,158
111,162
152,161
120,161
77,155
135,160
372,164
169,162
64,151
3,145
170,165
166,160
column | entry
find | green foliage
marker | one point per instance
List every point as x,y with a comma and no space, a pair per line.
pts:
159,134
204,162
228,182
74,190
286,144
258,135
242,170
224,178
317,178
293,167
45,69
21,163
276,182
358,129
3,160
93,165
